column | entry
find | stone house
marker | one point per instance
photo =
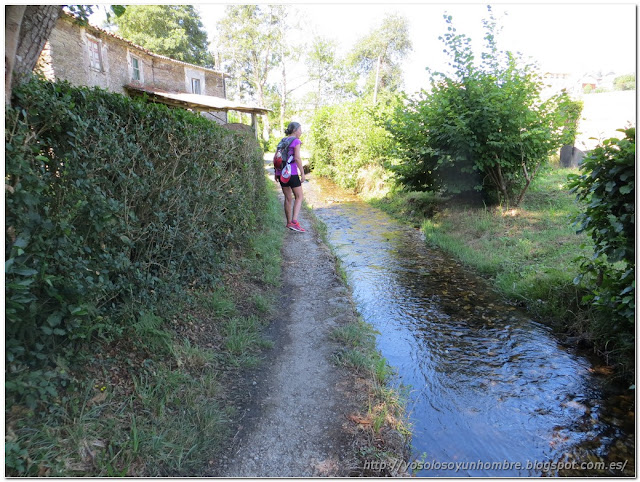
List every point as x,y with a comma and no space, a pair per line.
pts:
86,55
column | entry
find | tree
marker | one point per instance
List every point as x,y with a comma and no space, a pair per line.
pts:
172,30
27,28
320,61
332,80
345,139
482,127
285,22
250,48
378,55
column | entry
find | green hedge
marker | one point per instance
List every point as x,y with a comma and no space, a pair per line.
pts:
111,205
607,189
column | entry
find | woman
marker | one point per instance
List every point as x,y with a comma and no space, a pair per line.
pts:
293,189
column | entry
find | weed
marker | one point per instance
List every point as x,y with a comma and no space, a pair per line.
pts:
379,418
355,359
194,357
241,334
262,303
149,328
354,334
220,303
161,413
321,229
382,371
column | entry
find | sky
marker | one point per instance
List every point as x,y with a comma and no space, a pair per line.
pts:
572,38
569,37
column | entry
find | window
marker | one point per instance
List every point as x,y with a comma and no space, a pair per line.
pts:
195,86
135,64
94,55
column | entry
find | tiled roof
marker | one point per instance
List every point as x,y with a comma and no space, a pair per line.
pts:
88,26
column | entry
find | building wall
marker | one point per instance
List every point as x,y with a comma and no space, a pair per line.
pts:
68,56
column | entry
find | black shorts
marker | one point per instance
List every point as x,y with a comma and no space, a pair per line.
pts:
294,181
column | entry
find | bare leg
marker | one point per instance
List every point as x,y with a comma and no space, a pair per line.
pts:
288,198
297,192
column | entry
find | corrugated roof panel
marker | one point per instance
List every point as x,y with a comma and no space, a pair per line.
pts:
196,101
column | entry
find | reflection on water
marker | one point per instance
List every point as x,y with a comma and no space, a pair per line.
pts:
488,384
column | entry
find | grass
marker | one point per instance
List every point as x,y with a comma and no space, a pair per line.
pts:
154,402
385,406
321,229
359,353
385,409
528,252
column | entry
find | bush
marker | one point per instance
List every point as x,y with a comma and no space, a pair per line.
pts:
625,82
110,204
346,138
272,144
484,127
607,186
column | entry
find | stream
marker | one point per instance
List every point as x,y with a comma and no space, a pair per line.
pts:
491,391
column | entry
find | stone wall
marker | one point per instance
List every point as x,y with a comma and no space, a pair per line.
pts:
68,56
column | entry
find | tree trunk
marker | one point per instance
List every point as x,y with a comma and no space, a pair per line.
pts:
265,119
13,15
528,178
318,95
27,29
375,90
283,100
502,185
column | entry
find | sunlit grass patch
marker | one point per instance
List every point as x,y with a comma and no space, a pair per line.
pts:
161,429
355,335
528,250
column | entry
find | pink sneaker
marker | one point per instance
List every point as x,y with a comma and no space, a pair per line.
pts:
289,225
295,226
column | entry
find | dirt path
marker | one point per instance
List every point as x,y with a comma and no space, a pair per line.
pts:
296,423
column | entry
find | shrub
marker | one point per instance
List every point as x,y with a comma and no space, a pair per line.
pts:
570,112
346,138
110,204
272,144
625,82
607,186
484,127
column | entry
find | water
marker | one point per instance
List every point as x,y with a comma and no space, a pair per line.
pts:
492,392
